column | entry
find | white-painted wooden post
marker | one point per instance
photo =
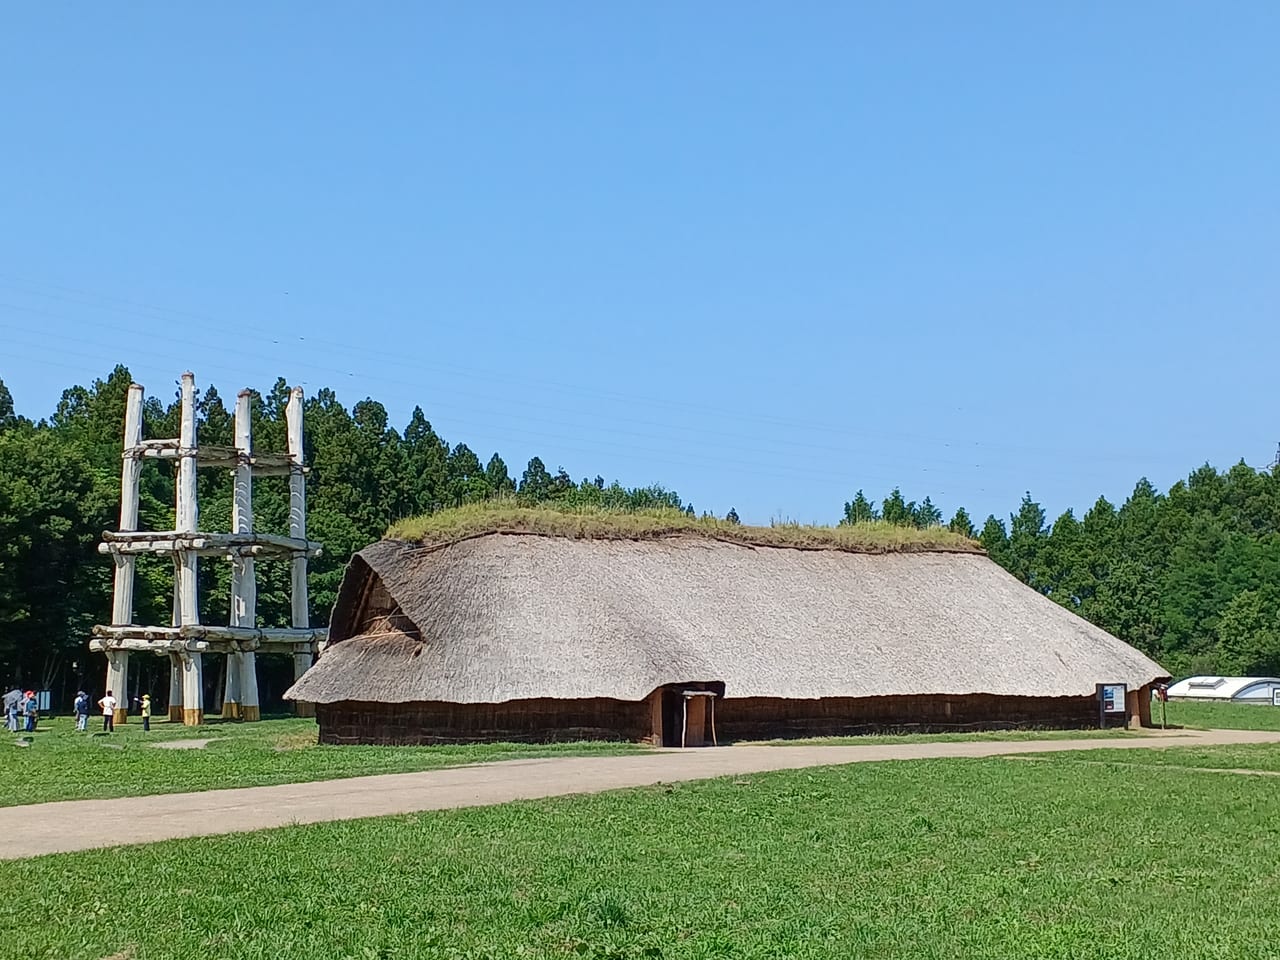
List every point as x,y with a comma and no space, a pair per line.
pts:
231,686
175,688
188,519
244,589
298,530
175,662
122,595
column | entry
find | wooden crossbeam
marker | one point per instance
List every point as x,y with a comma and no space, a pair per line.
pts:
159,647
231,544
197,638
207,631
214,456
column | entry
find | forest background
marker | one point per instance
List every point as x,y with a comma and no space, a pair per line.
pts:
1190,576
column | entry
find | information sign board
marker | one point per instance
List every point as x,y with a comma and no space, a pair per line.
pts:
1113,698
1111,701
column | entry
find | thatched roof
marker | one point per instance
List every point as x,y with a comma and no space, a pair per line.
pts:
507,617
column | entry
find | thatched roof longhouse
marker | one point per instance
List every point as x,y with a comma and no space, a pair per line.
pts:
503,617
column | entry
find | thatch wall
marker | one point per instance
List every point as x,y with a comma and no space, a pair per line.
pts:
769,718
520,721
756,718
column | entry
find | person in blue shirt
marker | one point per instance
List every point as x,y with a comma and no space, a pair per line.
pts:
32,708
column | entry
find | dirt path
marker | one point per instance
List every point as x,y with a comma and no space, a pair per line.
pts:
85,824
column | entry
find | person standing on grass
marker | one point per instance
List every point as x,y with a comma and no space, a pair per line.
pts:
146,712
12,707
108,705
82,710
32,710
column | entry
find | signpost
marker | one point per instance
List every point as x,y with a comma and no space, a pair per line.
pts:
1111,701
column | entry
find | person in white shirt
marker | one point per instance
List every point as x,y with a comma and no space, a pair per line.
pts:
108,705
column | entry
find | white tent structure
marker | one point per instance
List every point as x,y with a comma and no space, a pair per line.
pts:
1234,689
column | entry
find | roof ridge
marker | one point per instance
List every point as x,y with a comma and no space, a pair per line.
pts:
418,546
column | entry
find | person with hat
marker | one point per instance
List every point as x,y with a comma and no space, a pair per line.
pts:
82,710
146,712
31,707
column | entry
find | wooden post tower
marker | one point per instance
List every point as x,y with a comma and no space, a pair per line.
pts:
186,641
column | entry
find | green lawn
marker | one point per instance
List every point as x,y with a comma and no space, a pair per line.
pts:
1243,756
62,764
871,739
939,859
1220,716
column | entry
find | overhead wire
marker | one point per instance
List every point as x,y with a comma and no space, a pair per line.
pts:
418,365
767,445
245,362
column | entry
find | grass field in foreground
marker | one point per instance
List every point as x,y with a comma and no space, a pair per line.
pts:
62,764
940,859
1240,756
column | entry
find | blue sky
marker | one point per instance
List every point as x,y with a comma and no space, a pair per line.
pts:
764,254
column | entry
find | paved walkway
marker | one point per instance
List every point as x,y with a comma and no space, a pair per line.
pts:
85,824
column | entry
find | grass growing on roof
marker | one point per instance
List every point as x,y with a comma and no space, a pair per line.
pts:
597,523
936,859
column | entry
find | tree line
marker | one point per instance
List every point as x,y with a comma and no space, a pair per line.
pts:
1190,576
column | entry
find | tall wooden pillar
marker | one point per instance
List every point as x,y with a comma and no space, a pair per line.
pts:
244,590
118,681
298,530
122,594
175,688
188,520
192,688
231,687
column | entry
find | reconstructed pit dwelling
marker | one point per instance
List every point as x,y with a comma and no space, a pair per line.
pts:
529,627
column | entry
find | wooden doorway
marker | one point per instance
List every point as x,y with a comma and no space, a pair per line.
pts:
688,716
672,707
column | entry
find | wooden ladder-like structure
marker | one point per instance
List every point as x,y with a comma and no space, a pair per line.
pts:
186,640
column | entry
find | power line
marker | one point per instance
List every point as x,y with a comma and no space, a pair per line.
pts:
500,428
417,367
409,391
